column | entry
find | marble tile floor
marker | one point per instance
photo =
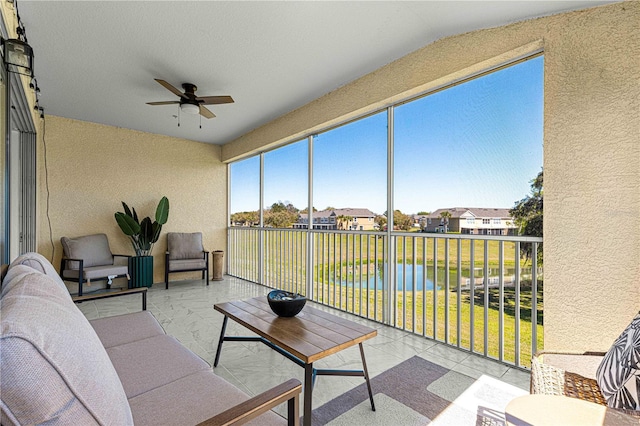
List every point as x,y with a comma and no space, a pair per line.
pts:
186,312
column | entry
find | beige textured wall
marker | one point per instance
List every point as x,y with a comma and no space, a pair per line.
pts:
591,151
93,167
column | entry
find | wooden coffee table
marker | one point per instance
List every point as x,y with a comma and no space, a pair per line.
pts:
308,337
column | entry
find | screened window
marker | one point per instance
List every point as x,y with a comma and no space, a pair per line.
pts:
476,144
245,192
350,162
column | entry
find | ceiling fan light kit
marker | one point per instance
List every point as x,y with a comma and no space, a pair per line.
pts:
189,102
189,108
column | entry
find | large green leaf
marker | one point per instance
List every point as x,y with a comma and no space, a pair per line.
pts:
127,211
156,231
135,216
146,233
162,212
127,224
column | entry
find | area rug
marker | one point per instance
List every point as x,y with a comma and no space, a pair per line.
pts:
419,392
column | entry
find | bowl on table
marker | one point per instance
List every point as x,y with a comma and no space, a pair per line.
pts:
286,304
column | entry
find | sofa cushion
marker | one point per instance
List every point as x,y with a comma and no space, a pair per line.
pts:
93,249
40,264
54,368
127,328
619,372
146,364
184,245
193,398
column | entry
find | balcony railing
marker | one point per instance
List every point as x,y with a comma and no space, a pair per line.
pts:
473,292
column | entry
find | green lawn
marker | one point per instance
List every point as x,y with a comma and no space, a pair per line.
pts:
349,300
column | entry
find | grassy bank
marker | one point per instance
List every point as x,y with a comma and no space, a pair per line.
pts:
415,313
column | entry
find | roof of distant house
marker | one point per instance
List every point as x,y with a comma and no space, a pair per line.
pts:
341,212
478,212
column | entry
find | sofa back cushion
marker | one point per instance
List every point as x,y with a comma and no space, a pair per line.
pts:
184,245
54,368
92,249
41,264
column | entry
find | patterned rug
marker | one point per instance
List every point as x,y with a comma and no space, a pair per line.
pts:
419,392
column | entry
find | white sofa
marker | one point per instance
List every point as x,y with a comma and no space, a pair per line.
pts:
56,367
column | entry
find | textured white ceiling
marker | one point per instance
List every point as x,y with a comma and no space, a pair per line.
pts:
96,60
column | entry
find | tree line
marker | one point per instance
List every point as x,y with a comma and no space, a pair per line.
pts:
284,215
527,215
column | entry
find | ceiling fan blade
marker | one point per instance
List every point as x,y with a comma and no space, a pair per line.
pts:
163,103
170,87
206,113
214,100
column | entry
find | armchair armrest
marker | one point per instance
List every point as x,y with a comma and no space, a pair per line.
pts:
121,255
107,294
252,408
582,363
65,260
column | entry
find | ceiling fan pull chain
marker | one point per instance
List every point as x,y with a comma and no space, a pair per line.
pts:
178,116
200,115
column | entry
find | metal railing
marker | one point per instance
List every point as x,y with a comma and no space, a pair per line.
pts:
474,292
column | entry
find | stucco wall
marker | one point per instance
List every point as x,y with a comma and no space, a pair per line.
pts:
93,167
591,151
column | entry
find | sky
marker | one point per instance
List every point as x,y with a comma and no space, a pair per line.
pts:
477,144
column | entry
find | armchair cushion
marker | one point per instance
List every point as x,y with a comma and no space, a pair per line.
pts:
187,264
93,249
50,356
619,372
185,245
95,272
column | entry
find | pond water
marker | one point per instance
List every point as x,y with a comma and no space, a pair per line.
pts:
400,276
406,274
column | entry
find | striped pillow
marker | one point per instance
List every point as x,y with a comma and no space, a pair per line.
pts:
619,372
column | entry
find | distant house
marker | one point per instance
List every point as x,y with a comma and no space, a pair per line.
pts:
474,221
347,219
419,219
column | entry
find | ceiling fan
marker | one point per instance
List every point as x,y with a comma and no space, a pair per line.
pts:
189,102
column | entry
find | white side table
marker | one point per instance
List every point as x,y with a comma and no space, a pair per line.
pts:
547,410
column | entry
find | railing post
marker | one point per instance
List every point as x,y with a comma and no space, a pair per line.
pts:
389,284
310,251
261,253
534,298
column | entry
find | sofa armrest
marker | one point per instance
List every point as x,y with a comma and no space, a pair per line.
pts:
252,408
121,255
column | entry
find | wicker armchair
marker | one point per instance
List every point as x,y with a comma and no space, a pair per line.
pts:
569,374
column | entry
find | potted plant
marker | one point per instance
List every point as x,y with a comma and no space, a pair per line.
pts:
143,235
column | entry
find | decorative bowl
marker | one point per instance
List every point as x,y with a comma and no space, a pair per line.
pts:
286,304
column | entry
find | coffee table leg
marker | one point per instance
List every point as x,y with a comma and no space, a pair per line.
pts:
224,327
366,377
308,388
